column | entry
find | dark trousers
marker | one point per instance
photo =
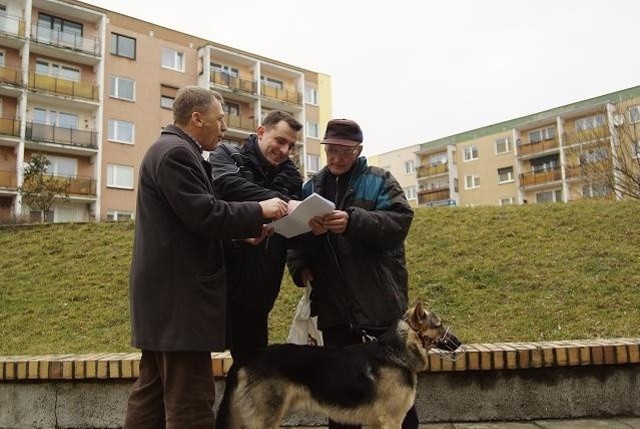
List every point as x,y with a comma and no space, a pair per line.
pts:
175,390
248,329
342,336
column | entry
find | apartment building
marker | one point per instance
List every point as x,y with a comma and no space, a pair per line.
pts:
548,156
402,164
91,89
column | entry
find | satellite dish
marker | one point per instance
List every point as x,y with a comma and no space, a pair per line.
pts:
618,120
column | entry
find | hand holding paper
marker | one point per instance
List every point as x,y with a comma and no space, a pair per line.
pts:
297,222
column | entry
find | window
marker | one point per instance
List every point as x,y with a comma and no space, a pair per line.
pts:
410,192
590,122
593,156
634,114
123,46
51,29
224,69
542,134
506,201
119,176
470,153
595,191
472,181
545,164
274,83
60,166
118,215
122,88
51,117
231,109
121,131
409,167
505,175
57,70
503,145
312,129
172,59
310,95
549,196
166,102
313,162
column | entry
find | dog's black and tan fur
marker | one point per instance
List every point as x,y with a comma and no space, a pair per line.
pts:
372,383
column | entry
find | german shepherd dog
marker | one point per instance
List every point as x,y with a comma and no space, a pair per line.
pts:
372,383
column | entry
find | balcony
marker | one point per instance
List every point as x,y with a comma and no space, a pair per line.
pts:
533,148
64,87
61,39
288,96
232,82
10,75
234,121
429,196
81,185
8,179
12,26
62,135
10,127
432,169
533,178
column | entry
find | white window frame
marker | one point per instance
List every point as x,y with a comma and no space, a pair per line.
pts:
590,122
511,177
311,130
506,141
175,57
410,193
52,117
556,196
115,214
472,181
112,176
310,95
409,166
114,90
546,133
634,114
272,82
313,162
506,201
54,68
166,102
471,153
112,131
53,167
224,69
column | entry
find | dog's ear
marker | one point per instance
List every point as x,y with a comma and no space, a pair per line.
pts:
419,315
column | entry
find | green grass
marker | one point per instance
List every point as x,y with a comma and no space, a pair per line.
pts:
520,273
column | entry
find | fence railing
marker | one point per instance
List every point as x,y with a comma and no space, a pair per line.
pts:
537,147
233,82
8,179
10,126
12,25
433,169
62,39
61,86
281,94
539,177
236,121
63,135
432,195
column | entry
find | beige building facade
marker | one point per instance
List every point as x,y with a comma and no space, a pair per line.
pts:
558,155
91,89
402,164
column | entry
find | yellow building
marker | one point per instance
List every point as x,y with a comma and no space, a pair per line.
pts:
402,164
559,155
91,89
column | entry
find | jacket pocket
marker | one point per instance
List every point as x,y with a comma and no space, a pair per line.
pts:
213,281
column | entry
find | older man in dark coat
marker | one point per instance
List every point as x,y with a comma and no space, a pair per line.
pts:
177,283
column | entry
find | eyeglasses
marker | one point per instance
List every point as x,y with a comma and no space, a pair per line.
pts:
340,153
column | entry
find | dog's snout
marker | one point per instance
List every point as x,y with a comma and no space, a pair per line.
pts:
449,342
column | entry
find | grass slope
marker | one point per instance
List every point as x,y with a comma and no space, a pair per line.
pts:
520,273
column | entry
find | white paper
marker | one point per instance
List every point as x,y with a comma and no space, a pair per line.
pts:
297,222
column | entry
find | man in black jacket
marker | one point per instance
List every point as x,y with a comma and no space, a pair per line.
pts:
261,169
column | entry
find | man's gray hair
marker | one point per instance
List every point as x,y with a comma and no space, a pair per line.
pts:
192,99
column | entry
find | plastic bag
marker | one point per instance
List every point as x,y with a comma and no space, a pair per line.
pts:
304,327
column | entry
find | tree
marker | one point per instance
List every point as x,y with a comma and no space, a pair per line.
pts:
40,190
604,151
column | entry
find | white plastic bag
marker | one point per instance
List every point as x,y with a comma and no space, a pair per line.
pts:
304,327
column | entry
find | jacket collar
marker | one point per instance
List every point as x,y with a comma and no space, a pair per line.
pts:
175,130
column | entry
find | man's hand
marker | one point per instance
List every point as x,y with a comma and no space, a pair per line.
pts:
336,221
317,226
273,208
291,205
266,232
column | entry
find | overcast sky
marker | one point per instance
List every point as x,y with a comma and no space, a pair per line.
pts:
411,71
